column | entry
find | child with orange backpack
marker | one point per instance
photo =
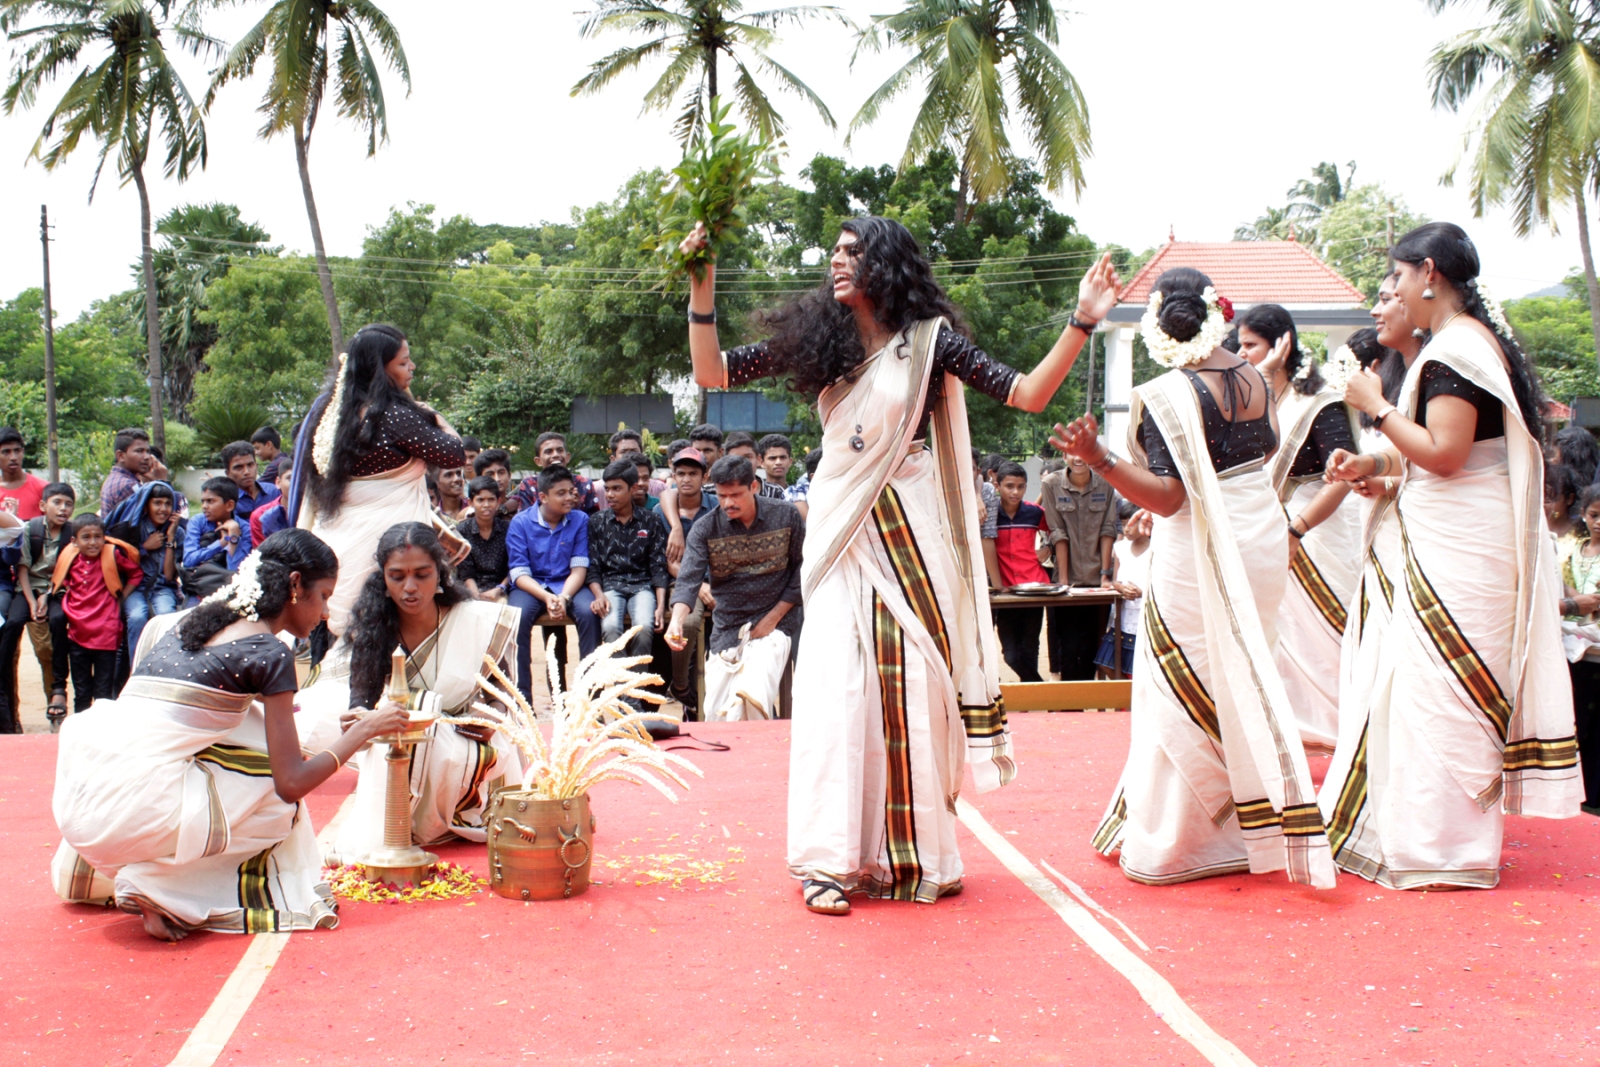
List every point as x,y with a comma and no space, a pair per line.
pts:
93,572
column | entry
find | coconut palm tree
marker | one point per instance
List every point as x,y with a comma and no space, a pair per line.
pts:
693,36
1310,197
965,53
1274,224
201,243
1535,134
125,95
315,45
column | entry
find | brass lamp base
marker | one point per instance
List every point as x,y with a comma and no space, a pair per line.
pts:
397,866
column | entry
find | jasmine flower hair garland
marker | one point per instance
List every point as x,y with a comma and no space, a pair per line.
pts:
1173,353
243,593
328,425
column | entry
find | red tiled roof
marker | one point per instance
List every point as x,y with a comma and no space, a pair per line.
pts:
1251,272
1555,409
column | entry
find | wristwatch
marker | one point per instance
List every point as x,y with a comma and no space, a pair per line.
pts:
1073,322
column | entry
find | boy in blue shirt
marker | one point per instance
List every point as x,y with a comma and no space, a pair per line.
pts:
215,536
547,547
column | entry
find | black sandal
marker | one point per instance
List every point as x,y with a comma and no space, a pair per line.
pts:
815,888
57,713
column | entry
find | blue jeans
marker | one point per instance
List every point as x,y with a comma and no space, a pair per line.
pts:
142,605
531,607
640,609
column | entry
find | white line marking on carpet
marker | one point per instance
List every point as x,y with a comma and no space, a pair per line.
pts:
210,1035
1079,892
1155,990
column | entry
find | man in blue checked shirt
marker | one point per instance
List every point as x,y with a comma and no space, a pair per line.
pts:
548,549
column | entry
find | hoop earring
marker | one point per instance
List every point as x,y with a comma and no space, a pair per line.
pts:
1427,294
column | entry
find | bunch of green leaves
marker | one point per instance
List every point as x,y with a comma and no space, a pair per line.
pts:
714,181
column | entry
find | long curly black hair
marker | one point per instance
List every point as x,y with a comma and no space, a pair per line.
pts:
375,621
1456,257
1270,322
281,554
816,337
368,389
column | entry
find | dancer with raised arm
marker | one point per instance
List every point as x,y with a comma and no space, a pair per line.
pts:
181,798
1324,531
1470,713
897,685
370,447
1216,779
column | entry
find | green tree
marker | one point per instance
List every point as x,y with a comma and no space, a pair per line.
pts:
126,95
1557,334
270,324
201,240
313,45
693,36
966,53
1354,235
1534,139
1310,197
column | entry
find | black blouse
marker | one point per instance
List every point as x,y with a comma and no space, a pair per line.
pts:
1438,379
1230,444
1329,430
952,354
404,433
258,664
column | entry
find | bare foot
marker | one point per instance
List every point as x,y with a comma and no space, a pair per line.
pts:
158,927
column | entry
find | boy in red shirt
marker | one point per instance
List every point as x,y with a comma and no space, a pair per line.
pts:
93,572
15,483
1017,560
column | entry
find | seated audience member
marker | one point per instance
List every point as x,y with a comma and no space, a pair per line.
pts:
741,444
1131,561
268,520
90,576
15,482
43,539
547,547
777,456
644,495
155,529
1081,510
485,571
685,502
627,561
215,543
707,439
453,502
754,581
158,471
471,446
796,494
551,448
673,507
239,463
131,458
624,441
268,445
1016,552
496,463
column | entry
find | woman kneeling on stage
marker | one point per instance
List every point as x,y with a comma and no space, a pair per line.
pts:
412,601
182,798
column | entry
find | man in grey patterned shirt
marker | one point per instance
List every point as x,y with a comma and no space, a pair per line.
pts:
748,550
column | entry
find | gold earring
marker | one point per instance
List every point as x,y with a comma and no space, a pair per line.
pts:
294,598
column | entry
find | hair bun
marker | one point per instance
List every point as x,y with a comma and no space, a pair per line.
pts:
1182,315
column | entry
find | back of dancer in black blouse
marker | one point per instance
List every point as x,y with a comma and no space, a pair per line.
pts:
255,664
1233,436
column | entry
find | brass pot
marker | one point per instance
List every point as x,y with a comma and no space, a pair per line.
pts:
539,849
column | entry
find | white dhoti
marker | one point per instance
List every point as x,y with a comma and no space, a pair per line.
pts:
1469,714
895,691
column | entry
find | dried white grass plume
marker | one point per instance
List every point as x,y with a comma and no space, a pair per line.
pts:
595,736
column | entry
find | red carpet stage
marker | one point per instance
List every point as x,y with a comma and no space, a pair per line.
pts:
696,950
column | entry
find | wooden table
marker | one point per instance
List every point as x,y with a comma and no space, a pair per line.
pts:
1066,696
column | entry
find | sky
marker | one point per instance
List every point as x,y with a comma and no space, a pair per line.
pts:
1203,114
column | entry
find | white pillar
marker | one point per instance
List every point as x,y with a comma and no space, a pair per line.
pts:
1337,336
1118,387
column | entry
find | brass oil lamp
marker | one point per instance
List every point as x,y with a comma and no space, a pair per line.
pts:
399,860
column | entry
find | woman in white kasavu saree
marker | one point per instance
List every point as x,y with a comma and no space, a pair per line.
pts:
361,462
412,601
181,798
1324,524
1216,780
1470,712
896,687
